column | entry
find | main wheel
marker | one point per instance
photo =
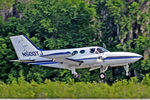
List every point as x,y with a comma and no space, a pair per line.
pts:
75,76
102,75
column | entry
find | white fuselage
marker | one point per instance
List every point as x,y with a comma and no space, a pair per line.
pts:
89,59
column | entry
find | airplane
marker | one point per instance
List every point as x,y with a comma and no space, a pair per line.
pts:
93,57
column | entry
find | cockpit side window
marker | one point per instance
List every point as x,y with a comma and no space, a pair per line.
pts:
99,50
92,50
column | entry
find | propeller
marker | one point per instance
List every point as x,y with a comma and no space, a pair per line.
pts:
101,58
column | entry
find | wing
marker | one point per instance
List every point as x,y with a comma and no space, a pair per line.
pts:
62,57
70,62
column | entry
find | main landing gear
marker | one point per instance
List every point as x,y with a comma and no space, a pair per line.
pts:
102,72
75,74
102,76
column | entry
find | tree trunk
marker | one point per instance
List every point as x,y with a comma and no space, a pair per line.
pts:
118,32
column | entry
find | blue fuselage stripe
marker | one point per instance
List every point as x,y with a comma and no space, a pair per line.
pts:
46,63
86,59
54,54
113,57
121,57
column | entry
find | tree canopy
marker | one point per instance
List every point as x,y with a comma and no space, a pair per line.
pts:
56,24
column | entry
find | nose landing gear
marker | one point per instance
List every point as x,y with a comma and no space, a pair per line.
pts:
126,67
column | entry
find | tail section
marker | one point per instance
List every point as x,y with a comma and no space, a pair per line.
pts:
24,48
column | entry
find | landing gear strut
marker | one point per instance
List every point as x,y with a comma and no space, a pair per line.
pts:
102,72
126,67
75,74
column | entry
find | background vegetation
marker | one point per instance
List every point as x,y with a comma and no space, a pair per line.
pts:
122,25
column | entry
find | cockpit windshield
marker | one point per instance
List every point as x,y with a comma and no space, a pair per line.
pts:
101,50
98,50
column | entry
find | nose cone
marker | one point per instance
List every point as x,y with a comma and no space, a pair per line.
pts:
135,57
138,56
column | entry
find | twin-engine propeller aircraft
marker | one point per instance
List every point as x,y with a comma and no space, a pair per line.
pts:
87,57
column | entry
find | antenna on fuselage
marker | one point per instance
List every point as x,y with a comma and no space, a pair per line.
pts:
104,46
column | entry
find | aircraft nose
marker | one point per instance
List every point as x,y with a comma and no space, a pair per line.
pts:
139,56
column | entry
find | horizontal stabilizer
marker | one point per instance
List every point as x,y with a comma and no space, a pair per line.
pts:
22,60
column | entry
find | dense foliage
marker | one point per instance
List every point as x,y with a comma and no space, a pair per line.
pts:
56,24
49,89
6,4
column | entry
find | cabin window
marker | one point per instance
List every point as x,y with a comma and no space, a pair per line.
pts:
82,51
99,50
92,50
75,52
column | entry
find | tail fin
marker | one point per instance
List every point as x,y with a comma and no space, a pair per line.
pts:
24,48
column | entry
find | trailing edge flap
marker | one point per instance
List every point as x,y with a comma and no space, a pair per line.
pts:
57,55
93,68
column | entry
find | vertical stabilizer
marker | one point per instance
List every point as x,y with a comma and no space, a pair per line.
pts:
24,48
